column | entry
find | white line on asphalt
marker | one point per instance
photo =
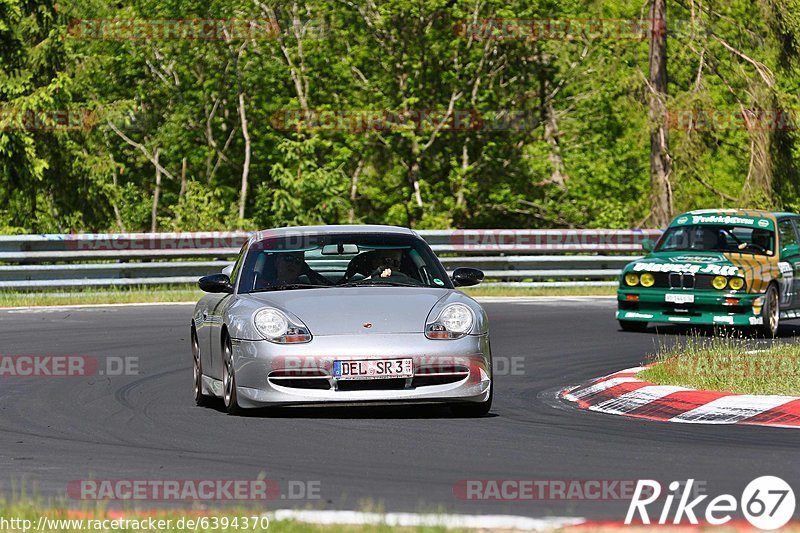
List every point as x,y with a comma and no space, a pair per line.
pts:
487,522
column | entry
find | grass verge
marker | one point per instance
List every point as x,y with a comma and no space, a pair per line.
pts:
588,290
729,364
156,294
159,294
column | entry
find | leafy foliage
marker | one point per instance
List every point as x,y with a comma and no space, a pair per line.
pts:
400,112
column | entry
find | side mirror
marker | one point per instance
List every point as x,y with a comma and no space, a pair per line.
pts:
215,283
467,277
228,270
648,245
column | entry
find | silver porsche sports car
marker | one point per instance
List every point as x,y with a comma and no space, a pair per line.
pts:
340,314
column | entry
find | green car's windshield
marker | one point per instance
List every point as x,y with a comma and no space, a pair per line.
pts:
339,260
718,238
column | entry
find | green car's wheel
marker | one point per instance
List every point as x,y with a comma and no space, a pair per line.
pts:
632,325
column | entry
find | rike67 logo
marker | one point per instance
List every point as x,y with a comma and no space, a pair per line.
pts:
767,502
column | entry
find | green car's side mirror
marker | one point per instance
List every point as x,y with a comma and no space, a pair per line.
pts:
648,245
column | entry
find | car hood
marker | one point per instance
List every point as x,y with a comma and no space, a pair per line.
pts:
346,310
713,263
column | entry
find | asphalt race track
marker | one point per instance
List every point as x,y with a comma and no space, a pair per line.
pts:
57,429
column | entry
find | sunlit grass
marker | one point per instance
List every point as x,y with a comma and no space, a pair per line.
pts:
588,290
728,363
105,295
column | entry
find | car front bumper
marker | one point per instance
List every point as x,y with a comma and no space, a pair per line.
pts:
708,308
449,371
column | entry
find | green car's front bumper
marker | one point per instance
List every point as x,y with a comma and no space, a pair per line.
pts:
708,307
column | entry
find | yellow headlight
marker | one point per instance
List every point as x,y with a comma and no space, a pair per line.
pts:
719,282
736,283
632,279
647,279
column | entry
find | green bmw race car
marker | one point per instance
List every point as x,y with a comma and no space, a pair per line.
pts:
716,267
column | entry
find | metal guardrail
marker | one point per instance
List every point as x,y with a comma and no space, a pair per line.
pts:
520,257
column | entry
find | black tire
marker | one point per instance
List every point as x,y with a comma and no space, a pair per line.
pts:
631,325
229,379
474,410
200,399
771,313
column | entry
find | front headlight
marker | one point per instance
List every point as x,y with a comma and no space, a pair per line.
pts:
275,326
647,279
719,282
631,279
455,321
736,283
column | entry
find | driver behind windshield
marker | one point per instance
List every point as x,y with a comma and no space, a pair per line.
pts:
287,268
763,239
386,263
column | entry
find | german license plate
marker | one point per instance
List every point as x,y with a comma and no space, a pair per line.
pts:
679,298
373,369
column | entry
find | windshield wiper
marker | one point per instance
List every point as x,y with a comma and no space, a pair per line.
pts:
375,283
290,286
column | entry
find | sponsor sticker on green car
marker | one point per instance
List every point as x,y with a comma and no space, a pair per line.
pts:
728,220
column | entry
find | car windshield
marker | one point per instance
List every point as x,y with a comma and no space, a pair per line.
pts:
718,238
339,260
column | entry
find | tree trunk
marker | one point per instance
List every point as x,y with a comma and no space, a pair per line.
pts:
660,161
246,136
183,179
551,135
460,198
414,171
246,166
757,190
351,213
157,193
114,205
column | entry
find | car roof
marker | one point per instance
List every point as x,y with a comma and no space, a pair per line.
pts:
744,212
333,229
753,213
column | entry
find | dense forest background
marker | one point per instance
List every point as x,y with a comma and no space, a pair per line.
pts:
428,113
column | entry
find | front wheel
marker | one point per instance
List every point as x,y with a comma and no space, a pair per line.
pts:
771,313
229,380
474,410
631,325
